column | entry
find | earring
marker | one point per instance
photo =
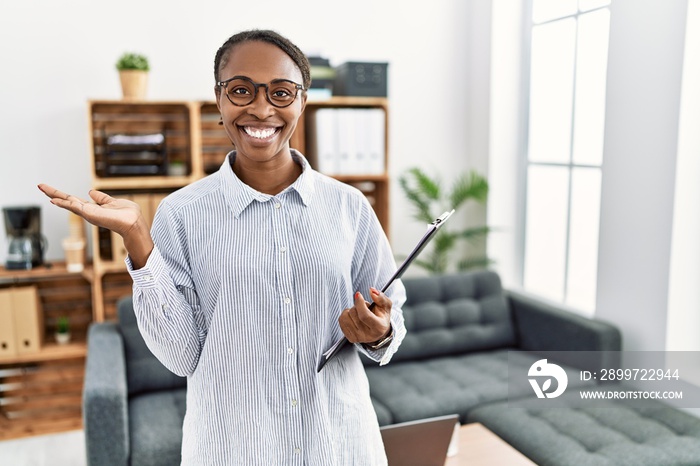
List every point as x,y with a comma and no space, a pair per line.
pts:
221,121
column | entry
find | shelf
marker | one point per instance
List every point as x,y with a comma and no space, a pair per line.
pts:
360,178
48,271
50,352
42,396
140,182
342,101
111,267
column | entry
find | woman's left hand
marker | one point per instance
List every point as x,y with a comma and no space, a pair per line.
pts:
362,325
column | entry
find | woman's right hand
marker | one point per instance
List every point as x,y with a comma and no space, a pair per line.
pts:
119,215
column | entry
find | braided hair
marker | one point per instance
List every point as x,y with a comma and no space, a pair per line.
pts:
271,37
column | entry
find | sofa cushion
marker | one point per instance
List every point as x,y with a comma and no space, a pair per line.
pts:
155,426
455,314
143,371
413,390
614,433
383,414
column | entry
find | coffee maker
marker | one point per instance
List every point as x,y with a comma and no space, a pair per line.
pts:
26,245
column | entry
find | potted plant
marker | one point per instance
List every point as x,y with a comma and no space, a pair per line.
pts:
177,168
133,74
62,330
429,198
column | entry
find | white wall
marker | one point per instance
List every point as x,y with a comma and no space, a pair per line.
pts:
639,167
684,279
57,55
505,180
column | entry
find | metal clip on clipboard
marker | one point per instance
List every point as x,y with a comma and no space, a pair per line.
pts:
429,234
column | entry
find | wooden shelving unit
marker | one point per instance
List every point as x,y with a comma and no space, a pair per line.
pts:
194,137
40,392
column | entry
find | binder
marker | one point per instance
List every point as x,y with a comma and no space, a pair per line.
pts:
346,141
359,157
375,122
325,134
28,319
7,326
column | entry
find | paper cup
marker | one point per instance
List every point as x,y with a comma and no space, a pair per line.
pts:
74,250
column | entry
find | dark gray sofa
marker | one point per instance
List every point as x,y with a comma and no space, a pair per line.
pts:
465,333
610,433
463,330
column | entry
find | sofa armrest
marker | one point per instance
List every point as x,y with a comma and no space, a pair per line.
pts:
105,397
541,326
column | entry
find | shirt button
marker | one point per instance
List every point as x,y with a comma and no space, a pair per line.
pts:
297,450
287,300
290,350
278,205
294,402
148,278
164,307
283,249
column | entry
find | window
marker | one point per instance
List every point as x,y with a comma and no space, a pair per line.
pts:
566,116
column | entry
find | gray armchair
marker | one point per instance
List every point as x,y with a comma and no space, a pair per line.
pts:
132,405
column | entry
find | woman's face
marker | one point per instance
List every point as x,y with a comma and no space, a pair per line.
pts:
259,130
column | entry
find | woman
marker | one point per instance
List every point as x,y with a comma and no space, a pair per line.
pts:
250,274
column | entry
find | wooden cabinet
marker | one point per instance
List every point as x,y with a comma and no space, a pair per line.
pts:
41,386
185,135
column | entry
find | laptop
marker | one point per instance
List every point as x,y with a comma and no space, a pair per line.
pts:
419,443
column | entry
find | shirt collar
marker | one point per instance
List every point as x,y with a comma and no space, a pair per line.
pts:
239,195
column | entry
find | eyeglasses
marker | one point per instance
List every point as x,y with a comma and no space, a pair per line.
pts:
242,91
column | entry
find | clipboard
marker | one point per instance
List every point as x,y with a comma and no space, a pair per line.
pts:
429,234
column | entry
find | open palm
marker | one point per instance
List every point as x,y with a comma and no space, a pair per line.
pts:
118,215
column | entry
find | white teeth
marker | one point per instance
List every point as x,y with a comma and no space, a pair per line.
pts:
259,133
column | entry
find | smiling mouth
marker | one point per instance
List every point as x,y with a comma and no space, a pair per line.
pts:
260,133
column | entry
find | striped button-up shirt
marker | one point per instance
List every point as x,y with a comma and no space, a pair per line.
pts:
242,295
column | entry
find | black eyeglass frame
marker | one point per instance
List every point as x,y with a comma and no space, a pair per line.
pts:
224,84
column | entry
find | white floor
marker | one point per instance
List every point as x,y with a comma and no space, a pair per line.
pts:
64,449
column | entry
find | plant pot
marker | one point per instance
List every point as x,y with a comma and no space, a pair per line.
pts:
62,338
133,84
177,169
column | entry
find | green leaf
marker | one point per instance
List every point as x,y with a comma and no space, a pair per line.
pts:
426,265
470,186
418,199
132,61
474,263
475,233
62,325
427,186
444,240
